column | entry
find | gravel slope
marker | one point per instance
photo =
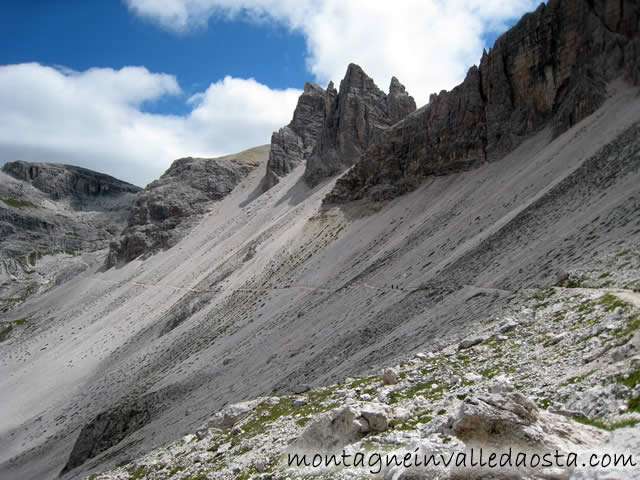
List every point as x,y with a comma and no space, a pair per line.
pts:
269,293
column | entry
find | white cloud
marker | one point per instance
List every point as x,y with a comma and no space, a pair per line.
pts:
96,118
428,44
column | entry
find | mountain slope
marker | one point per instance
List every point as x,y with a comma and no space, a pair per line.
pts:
55,220
272,292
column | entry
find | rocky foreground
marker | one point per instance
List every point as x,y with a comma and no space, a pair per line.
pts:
557,370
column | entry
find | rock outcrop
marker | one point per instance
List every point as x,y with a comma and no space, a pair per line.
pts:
54,222
354,118
159,214
59,181
346,425
110,427
551,69
292,145
515,420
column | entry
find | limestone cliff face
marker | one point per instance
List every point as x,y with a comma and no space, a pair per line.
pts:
47,207
354,118
161,214
551,69
59,181
291,145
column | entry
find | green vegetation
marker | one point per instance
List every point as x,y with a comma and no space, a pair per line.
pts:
4,333
267,413
544,403
176,469
625,332
12,202
491,372
140,473
426,389
544,294
37,255
579,379
631,380
33,256
594,422
611,302
575,283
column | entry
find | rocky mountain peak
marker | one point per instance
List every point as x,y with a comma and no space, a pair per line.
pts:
353,118
355,77
550,70
292,144
395,87
166,209
399,102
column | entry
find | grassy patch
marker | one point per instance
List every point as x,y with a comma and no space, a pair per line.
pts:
544,294
544,403
579,379
575,282
625,332
491,372
33,256
610,302
139,473
426,389
631,380
12,202
594,422
177,469
4,333
266,413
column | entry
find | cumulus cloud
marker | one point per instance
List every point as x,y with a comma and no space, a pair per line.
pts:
427,44
97,118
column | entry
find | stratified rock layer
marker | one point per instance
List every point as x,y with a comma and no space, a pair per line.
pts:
353,119
291,145
550,69
60,181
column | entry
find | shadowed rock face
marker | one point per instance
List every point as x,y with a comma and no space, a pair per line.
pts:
549,70
183,191
353,119
291,145
110,427
60,181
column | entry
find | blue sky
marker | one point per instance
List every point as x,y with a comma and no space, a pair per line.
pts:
125,87
81,34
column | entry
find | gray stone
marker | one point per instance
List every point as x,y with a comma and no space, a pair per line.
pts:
470,342
228,416
160,214
354,118
292,145
550,69
390,377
